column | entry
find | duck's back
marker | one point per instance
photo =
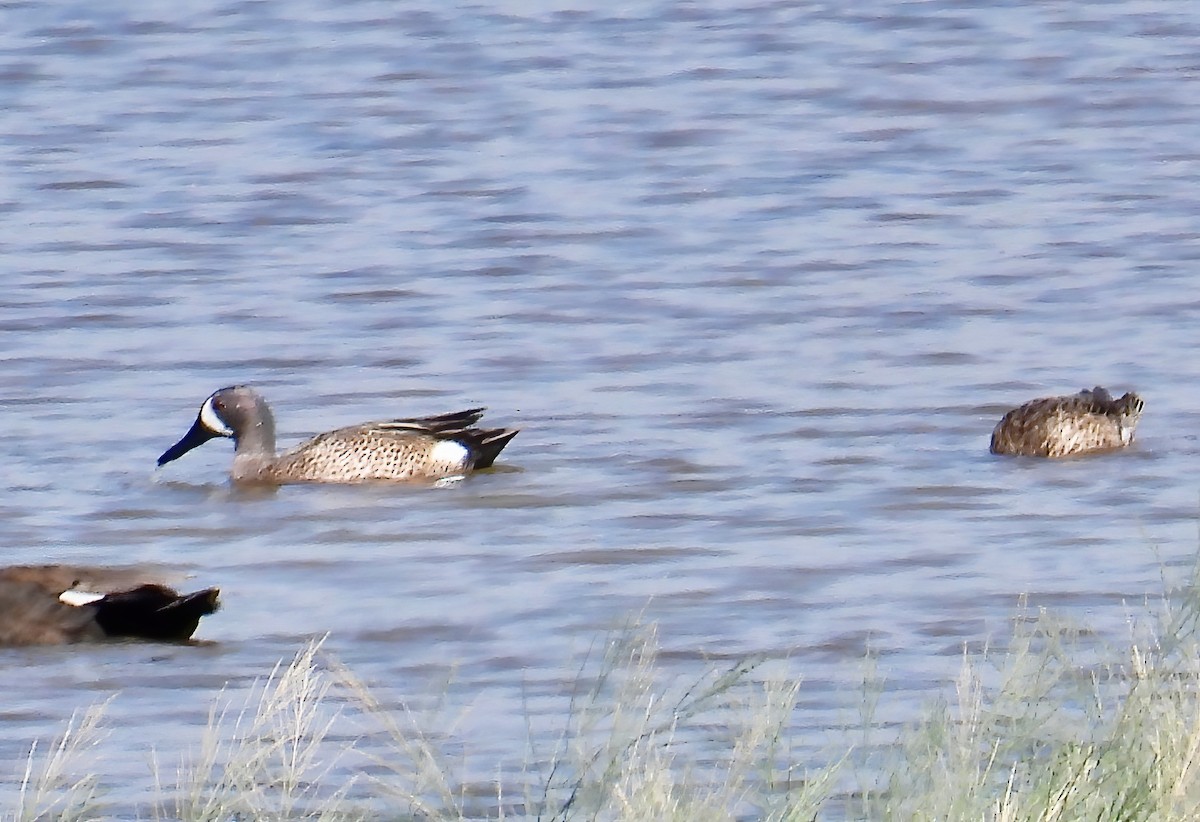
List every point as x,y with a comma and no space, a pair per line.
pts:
1061,426
31,616
118,602
404,449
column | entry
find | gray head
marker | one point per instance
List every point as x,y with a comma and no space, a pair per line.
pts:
238,412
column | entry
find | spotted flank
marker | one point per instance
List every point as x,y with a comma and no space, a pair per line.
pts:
417,448
1082,423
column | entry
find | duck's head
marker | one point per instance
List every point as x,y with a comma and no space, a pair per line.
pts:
230,412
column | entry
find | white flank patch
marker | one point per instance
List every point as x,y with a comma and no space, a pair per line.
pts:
212,421
449,452
77,598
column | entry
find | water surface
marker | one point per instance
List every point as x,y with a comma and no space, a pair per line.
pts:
756,280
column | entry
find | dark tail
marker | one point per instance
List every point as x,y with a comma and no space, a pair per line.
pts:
154,612
487,443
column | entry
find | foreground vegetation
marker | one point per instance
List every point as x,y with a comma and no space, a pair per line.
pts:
1051,728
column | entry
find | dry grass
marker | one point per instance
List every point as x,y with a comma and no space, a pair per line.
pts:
1061,734
624,752
1049,730
267,761
50,789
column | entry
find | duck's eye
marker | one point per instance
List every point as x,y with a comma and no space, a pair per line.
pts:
219,405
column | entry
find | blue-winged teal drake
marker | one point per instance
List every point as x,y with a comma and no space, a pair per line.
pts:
63,604
1060,426
404,449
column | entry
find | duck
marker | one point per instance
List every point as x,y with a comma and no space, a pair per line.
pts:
416,448
68,604
1082,423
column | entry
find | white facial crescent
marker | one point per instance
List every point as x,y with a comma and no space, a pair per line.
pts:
212,421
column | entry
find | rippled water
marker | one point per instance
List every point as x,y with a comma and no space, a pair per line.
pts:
756,281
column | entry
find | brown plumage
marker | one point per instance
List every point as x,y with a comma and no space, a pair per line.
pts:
1076,424
447,445
124,603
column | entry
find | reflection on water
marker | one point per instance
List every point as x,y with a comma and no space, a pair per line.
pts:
756,283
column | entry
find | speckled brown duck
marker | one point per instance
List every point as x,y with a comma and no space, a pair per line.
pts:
403,449
65,604
1076,424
